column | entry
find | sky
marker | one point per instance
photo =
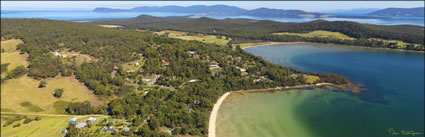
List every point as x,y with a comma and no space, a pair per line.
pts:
301,5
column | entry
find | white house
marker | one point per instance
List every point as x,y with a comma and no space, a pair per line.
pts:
72,121
81,125
126,129
193,80
91,119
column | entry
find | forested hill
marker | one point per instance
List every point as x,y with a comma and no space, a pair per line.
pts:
400,12
223,10
245,29
192,74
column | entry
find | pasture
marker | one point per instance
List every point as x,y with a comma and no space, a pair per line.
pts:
23,95
319,34
198,37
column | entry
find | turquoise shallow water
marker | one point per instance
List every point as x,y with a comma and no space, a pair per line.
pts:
394,98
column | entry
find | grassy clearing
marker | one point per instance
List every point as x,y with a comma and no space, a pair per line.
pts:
11,56
400,44
25,89
10,45
31,107
77,57
48,126
319,34
198,37
14,59
60,106
110,26
311,78
132,67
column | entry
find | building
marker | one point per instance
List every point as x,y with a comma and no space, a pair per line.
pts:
193,80
165,63
64,130
110,129
72,121
81,125
126,129
91,119
58,54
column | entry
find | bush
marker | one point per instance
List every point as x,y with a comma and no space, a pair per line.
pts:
17,125
42,84
58,92
37,118
17,72
28,120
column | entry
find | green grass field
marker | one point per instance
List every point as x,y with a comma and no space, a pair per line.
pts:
198,37
311,78
48,126
78,57
319,34
23,95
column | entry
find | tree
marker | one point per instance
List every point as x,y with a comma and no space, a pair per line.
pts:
28,120
42,84
37,118
154,123
17,72
58,92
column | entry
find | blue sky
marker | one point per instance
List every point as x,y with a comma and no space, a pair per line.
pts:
302,5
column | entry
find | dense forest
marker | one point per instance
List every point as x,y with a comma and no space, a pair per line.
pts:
193,85
242,30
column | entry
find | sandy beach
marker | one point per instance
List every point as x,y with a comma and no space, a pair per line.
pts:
213,116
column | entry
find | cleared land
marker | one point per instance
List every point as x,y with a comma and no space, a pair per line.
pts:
319,34
23,95
77,57
48,126
111,26
337,35
11,55
10,45
198,37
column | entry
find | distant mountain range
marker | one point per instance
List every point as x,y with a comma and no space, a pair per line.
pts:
220,10
399,12
356,11
225,10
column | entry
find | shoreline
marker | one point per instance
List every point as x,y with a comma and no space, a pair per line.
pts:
331,44
216,107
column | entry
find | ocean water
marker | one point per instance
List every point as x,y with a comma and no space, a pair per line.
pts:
89,15
393,99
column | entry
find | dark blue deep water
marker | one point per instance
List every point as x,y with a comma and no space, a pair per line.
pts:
393,99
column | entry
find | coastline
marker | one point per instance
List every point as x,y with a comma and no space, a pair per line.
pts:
331,44
214,112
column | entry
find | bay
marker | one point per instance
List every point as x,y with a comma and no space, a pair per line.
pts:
393,99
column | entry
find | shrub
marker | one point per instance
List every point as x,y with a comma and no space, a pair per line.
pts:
28,120
37,118
58,92
42,84
17,125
